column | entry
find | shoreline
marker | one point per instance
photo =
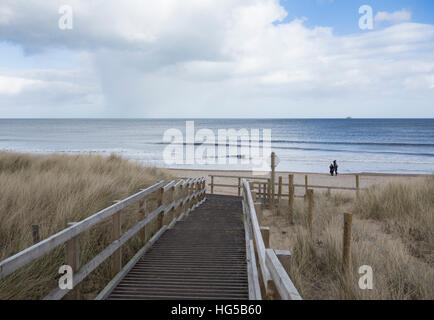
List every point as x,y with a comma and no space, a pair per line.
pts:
320,182
415,175
148,163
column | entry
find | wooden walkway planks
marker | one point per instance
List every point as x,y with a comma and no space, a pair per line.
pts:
202,257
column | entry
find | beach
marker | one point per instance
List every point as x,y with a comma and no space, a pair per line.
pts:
317,179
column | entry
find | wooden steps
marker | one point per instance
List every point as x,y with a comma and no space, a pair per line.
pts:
202,257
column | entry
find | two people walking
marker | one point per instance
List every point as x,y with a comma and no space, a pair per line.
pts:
334,168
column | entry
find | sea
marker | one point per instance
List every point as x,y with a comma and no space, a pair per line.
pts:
403,146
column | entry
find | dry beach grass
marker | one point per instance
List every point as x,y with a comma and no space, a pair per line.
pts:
393,227
52,190
393,232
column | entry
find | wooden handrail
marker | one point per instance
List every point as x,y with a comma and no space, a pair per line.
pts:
282,282
270,267
28,255
256,232
20,259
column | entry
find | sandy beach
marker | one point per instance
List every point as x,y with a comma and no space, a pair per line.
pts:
316,179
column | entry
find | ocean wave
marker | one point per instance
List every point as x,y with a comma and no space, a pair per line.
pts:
422,154
384,144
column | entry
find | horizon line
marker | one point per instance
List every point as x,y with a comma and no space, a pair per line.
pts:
215,118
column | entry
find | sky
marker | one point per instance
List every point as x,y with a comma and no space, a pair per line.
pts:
216,59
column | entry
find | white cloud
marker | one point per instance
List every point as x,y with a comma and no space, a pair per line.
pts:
222,58
14,85
400,16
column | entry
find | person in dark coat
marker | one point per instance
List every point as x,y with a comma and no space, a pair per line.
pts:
332,168
335,166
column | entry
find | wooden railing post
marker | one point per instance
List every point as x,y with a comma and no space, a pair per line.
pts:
265,232
178,197
305,186
279,196
310,209
291,199
117,255
348,218
172,199
142,211
198,183
239,186
212,184
269,193
258,209
264,194
160,197
273,178
73,259
35,233
191,192
357,185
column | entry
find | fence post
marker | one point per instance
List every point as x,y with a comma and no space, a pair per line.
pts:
305,186
265,232
172,199
310,216
279,196
269,194
239,186
348,218
142,211
357,185
212,184
160,218
291,198
273,178
117,255
73,259
35,233
258,210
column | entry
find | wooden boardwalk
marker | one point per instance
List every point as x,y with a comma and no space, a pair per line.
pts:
202,257
199,249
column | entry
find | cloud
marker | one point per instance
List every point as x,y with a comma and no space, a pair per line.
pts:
394,17
199,58
14,85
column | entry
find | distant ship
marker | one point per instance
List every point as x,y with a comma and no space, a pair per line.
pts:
348,118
